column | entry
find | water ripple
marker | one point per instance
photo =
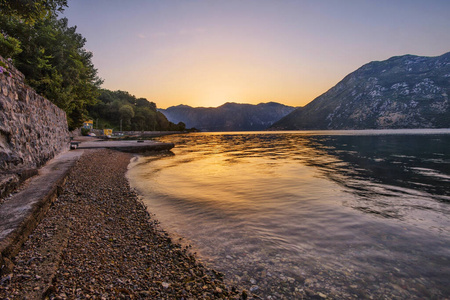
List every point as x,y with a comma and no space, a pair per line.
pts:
348,214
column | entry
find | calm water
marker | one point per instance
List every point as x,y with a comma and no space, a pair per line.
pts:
354,214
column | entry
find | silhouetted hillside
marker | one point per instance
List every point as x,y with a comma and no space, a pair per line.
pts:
228,117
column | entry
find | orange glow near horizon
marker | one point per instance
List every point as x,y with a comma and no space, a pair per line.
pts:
206,53
219,75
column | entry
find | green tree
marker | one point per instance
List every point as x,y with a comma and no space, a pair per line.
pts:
145,119
142,102
136,113
55,63
31,10
163,123
126,114
9,46
181,126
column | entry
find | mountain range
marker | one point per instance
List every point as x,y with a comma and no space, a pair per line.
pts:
229,116
401,92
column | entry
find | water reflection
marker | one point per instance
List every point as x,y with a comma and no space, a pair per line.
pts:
413,162
392,164
346,215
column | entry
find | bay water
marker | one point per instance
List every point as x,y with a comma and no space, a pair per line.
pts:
287,215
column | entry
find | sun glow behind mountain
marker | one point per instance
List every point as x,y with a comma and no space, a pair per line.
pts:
206,53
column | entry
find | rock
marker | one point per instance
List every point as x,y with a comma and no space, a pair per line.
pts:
8,183
290,279
254,288
7,278
311,294
165,285
6,265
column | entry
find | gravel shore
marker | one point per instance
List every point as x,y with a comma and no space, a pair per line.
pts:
98,241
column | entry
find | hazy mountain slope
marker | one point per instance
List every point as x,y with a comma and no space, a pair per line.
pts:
228,117
401,92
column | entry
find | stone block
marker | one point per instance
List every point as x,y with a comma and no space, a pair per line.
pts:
32,129
8,183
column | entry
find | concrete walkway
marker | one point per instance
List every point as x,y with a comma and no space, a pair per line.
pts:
131,146
21,212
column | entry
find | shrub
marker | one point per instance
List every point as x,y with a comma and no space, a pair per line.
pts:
85,131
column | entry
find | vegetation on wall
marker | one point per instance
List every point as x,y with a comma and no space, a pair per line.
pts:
121,110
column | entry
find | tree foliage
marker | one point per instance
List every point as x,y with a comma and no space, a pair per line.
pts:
52,57
9,46
30,11
50,54
135,113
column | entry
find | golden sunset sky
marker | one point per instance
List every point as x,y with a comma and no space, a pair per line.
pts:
208,52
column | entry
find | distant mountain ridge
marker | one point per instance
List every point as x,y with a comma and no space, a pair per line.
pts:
401,92
228,117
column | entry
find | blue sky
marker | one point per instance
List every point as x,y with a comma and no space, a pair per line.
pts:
208,52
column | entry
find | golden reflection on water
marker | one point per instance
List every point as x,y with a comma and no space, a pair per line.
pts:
339,210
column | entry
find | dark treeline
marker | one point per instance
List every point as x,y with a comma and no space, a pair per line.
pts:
52,57
118,107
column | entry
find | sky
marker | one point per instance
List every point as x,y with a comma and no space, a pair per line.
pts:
209,52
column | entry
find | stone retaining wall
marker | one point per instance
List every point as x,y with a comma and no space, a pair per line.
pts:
32,129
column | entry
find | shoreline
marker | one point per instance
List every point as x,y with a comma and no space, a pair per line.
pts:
98,241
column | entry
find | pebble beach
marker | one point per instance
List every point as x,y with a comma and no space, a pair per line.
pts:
98,241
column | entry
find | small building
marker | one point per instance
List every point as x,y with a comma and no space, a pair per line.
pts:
88,124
